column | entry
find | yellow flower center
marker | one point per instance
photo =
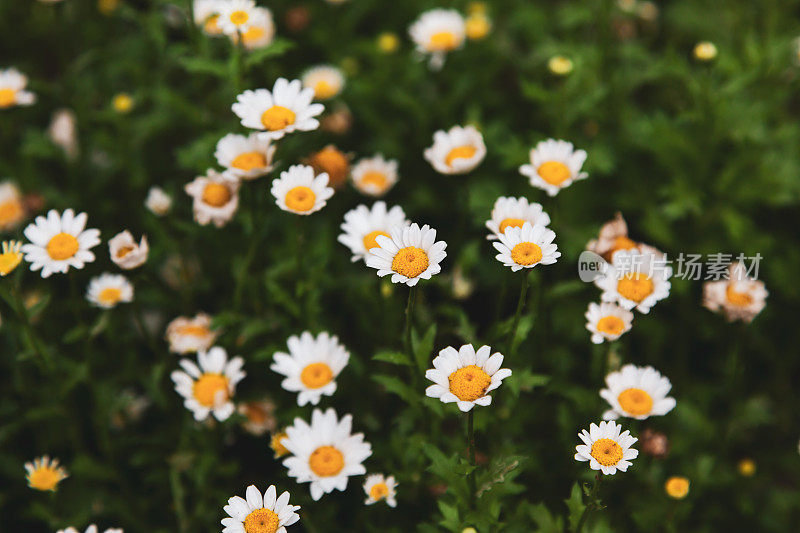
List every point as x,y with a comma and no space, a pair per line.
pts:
209,387
216,194
109,296
622,243
373,177
326,461
261,521
635,402
211,26
526,253
324,90
610,325
410,261
194,331
125,250
469,383
249,161
554,172
459,152
62,246
253,34
379,491
332,161
635,286
11,211
477,26
8,97
239,17
443,41
677,487
122,103
300,198
11,257
511,223
740,299
276,445
370,241
277,117
316,375
606,452
44,478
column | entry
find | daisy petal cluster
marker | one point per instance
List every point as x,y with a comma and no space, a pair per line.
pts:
409,254
269,513
606,447
208,386
12,206
637,392
300,192
363,225
438,32
59,242
526,247
10,257
327,81
126,253
466,376
235,16
260,31
554,165
379,487
215,198
284,109
511,212
636,280
456,151
374,176
607,321
740,297
186,335
109,290
158,201
44,473
12,89
245,156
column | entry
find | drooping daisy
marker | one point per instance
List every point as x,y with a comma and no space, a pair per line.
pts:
511,212
158,201
109,290
437,32
554,166
379,487
607,321
12,206
10,257
333,162
194,334
63,131
235,16
126,253
206,15
466,376
215,197
325,453
613,237
91,529
12,89
740,297
409,254
209,388
526,247
44,473
637,392
311,366
635,280
59,242
362,226
456,151
246,157
326,80
300,192
259,415
374,176
257,514
606,448
276,443
285,109
261,32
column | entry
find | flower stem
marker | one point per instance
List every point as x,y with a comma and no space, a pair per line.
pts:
22,313
473,489
412,294
591,505
523,293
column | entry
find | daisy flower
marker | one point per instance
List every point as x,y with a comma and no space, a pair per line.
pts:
206,15
378,487
326,80
63,131
554,166
59,242
613,237
635,280
215,197
739,297
260,416
637,392
208,388
44,473
91,529
607,321
108,290
235,16
276,443
186,335
606,448
465,376
261,32
157,201
374,176
245,156
333,162
285,109
12,89
409,254
257,514
456,151
437,32
511,212
126,253
12,206
299,192
325,453
311,366
11,257
526,247
363,225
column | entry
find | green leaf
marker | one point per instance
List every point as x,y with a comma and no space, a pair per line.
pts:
450,518
395,358
199,65
394,385
278,47
546,522
423,347
575,506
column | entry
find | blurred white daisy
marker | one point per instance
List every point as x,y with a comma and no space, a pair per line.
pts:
740,297
215,197
12,206
637,392
209,388
606,447
607,321
300,192
456,151
235,16
554,166
635,280
206,15
409,254
437,32
259,415
511,212
311,366
374,176
261,31
465,376
59,242
109,290
91,529
285,109
379,487
63,131
44,473
325,453
327,81
245,156
125,252
194,334
363,225
12,89
257,514
526,247
158,201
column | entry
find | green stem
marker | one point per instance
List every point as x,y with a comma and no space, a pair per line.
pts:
523,293
409,317
473,488
22,313
591,505
177,498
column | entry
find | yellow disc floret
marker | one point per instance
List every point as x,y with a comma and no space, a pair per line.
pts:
739,299
316,375
373,177
606,452
459,152
526,253
379,491
469,383
62,246
216,194
635,286
677,487
261,521
326,461
209,388
109,296
8,97
610,325
635,402
370,239
554,172
443,41
410,261
249,161
45,477
277,117
300,198
511,223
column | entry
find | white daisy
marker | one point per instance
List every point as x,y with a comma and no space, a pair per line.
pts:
261,32
437,32
194,334
108,290
511,212
12,206
325,453
44,473
554,165
91,529
209,388
63,131
606,448
270,514
379,487
59,241
300,192
12,89
409,254
327,81
285,109
635,280
607,321
362,226
126,253
235,16
456,151
465,376
374,176
637,392
739,297
206,14
245,156
311,366
157,201
215,197
526,247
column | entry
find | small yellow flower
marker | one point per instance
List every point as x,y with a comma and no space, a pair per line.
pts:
677,487
560,65
477,26
11,257
122,103
44,473
276,445
705,51
746,467
388,42
106,7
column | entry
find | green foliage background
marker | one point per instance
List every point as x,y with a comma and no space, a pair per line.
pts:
700,158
